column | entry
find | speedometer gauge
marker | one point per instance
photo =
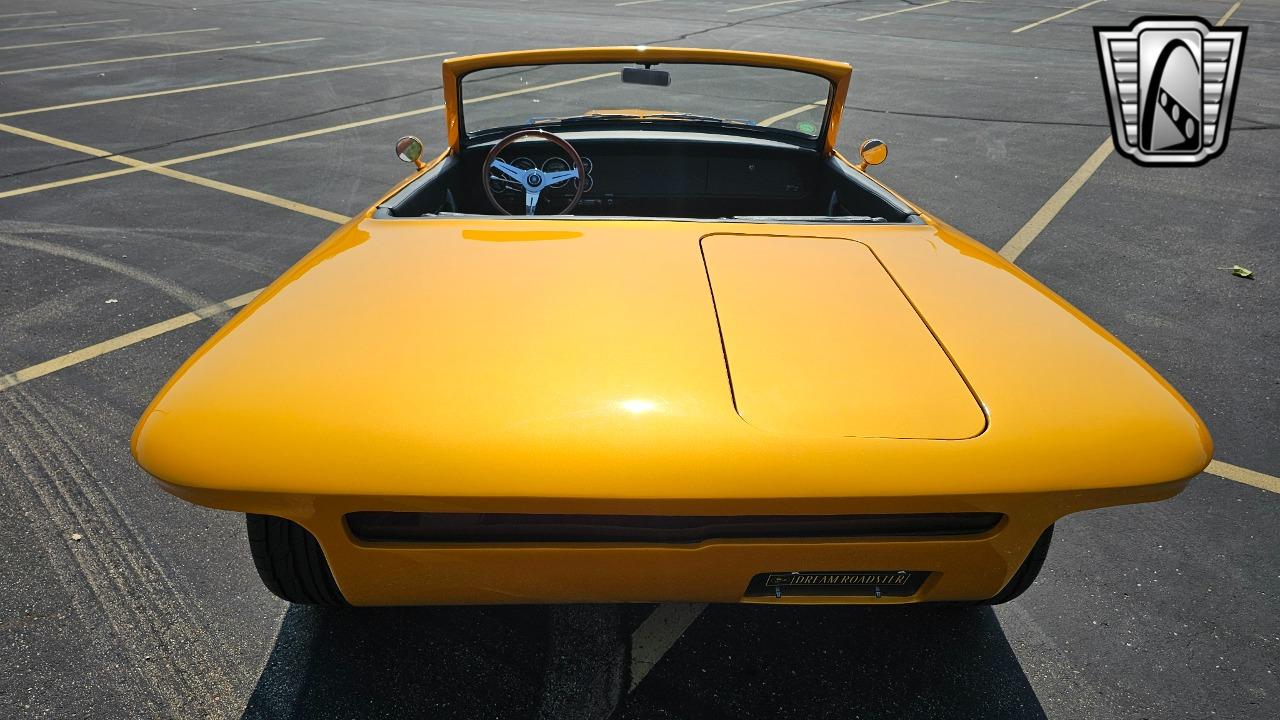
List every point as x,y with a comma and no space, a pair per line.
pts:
586,170
556,164
500,183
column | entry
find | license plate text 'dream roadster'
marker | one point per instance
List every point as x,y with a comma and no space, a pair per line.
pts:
900,583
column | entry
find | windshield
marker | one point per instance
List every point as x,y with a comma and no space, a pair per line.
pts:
510,97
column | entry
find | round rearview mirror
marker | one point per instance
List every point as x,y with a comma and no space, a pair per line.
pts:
409,149
873,152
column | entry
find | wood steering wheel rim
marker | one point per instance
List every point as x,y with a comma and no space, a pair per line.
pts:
504,143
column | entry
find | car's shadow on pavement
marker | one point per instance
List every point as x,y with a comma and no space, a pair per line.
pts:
448,662
836,661
733,662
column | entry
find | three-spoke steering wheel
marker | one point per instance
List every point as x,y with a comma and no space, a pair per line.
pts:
532,180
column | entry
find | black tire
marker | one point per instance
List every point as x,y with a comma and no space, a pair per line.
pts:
290,561
1026,574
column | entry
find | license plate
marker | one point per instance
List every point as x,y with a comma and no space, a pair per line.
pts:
875,583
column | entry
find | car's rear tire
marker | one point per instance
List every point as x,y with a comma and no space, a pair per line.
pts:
290,561
1026,574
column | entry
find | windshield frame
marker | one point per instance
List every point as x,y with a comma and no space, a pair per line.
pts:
709,125
835,74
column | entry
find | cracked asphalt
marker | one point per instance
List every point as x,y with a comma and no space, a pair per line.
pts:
119,601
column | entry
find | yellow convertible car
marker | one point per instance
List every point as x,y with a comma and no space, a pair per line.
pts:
641,334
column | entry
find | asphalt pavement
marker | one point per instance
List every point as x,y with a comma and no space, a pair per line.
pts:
120,601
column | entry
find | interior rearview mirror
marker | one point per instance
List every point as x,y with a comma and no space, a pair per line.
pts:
409,149
646,76
872,152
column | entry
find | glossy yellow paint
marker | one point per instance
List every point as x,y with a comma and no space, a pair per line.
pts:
450,345
837,73
480,365
819,340
574,365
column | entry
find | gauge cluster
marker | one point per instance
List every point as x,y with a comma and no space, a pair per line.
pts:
555,163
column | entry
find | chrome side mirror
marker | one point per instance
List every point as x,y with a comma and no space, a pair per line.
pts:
409,149
872,152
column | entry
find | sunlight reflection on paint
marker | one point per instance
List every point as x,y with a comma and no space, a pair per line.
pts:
638,405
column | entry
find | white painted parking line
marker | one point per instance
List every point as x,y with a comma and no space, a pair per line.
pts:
106,39
763,5
229,83
24,14
1244,476
63,25
657,634
1051,18
159,55
903,10
635,2
132,338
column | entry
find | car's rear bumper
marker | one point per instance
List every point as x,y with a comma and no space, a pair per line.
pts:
719,571
959,567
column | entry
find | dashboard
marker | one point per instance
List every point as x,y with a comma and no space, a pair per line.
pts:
655,174
630,175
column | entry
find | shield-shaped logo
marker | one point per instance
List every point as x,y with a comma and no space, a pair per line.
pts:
1170,86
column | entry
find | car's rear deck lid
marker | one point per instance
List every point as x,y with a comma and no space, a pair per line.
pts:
819,339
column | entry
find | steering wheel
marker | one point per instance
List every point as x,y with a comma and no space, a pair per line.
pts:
532,180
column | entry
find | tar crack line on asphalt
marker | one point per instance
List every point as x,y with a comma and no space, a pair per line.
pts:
168,287
178,666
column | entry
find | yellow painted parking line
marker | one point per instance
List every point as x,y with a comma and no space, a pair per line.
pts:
68,181
657,634
106,39
41,12
790,113
1051,18
229,83
547,86
763,5
245,192
131,338
176,174
903,10
1054,205
371,121
298,136
286,138
63,25
1230,11
159,55
1047,212
1244,476
151,331
64,144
